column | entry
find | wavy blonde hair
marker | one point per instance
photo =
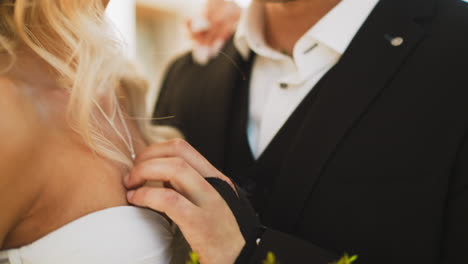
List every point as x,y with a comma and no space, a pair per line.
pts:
75,39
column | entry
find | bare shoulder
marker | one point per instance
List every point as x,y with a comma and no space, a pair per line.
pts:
17,152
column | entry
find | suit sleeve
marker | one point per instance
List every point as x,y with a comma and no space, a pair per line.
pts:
456,235
260,240
162,107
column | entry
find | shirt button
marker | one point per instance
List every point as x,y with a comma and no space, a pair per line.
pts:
283,85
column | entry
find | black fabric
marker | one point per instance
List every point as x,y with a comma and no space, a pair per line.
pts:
257,177
378,165
238,158
288,249
245,215
252,230
203,116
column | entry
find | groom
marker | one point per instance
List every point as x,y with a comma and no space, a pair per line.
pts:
345,122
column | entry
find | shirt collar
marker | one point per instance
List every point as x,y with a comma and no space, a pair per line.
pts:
335,30
250,33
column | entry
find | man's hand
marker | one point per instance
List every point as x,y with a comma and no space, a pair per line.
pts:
187,198
222,17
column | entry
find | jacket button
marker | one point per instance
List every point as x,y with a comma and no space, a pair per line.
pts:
257,241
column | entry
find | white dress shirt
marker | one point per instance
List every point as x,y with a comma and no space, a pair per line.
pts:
279,83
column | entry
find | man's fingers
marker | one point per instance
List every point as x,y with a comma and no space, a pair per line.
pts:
221,35
176,171
222,17
166,201
179,148
200,37
215,35
212,231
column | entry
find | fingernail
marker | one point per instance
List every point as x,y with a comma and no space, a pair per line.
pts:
130,195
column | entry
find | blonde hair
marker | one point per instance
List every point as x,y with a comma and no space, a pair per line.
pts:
74,38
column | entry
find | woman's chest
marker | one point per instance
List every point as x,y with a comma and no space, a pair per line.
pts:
74,180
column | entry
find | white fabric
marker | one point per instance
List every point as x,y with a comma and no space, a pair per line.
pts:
314,55
119,235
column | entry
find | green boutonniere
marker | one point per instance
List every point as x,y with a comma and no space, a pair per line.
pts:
270,259
194,258
346,259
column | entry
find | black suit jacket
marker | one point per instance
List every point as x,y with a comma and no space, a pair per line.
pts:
380,165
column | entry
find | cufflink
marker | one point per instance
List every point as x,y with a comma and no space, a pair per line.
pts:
394,41
397,41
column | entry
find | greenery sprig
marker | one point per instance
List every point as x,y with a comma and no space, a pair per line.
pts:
346,259
271,259
193,258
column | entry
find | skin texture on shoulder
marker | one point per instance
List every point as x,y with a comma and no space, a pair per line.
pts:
19,186
48,176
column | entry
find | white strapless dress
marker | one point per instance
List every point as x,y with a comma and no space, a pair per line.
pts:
118,235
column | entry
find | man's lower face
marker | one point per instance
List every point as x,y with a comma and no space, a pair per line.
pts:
274,1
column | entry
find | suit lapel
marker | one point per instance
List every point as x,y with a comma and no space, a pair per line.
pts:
208,124
355,82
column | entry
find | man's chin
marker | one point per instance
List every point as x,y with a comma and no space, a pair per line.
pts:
274,1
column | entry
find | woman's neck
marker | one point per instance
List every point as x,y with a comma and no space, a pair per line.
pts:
29,68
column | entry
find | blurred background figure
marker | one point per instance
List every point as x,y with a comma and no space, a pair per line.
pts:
158,30
123,15
212,28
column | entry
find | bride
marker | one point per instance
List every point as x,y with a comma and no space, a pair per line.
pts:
67,98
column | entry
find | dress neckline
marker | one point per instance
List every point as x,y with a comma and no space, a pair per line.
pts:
86,218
